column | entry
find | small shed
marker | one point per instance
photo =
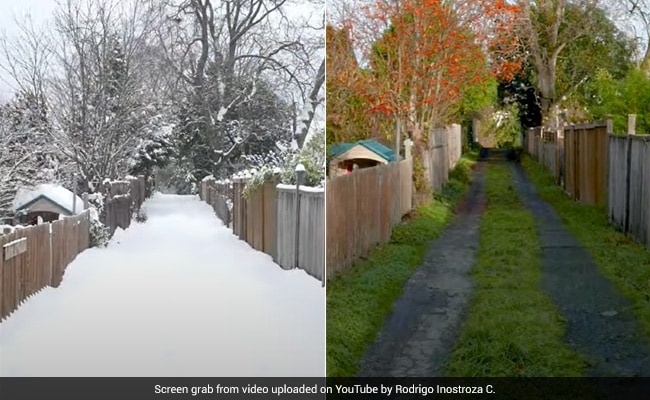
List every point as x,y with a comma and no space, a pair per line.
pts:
47,201
362,154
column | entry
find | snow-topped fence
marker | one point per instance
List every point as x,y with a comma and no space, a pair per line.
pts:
301,229
35,257
271,220
218,194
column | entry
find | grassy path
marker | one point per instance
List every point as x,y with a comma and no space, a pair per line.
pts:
597,276
359,300
620,259
418,335
513,328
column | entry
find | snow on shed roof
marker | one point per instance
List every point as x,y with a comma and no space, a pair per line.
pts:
55,193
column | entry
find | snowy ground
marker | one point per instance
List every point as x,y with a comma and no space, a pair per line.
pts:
176,296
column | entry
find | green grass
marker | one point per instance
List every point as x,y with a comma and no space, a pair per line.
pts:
620,259
512,328
358,300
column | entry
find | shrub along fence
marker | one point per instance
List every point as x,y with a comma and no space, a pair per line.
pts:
37,256
597,167
362,209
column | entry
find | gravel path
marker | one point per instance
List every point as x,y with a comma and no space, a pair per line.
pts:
418,337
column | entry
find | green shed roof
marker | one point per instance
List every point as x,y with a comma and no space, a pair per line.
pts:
386,153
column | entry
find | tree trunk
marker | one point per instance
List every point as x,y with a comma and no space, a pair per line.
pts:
313,101
546,87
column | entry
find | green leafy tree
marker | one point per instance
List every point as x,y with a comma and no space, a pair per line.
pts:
620,97
565,42
477,98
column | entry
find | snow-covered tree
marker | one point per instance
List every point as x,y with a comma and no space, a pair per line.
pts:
247,128
101,108
181,88
27,156
156,148
242,62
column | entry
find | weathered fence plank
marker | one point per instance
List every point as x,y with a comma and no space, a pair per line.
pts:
49,249
599,167
311,248
362,207
266,220
286,226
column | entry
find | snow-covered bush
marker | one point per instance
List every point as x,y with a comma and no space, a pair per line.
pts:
312,157
99,233
281,165
140,215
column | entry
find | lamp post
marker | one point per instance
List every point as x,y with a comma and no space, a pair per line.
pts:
300,177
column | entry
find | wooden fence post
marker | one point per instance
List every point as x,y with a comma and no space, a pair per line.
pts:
408,144
300,175
631,124
610,125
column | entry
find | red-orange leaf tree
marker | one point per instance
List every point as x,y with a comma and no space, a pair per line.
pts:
349,116
424,54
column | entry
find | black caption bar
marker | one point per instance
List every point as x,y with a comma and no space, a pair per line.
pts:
321,388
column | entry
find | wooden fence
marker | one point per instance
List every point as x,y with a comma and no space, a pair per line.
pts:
445,149
269,219
219,195
301,229
595,166
547,147
37,256
577,158
629,185
362,209
254,218
585,162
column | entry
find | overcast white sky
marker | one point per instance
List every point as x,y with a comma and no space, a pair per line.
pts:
40,12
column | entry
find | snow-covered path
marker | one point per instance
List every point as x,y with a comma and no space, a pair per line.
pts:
179,295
